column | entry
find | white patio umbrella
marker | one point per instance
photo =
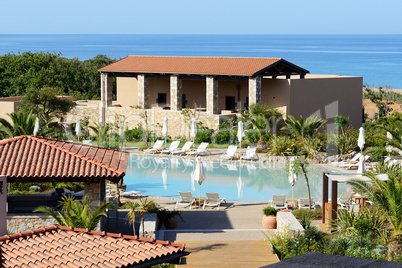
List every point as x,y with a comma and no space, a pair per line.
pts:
193,130
292,176
362,140
240,134
165,178
199,174
78,128
165,128
36,127
388,148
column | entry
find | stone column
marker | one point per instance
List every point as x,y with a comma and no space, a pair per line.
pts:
93,191
254,90
212,95
175,93
143,91
3,205
106,95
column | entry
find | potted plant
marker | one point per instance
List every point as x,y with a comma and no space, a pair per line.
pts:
269,218
169,218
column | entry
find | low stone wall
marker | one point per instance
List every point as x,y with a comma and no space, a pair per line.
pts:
24,222
179,125
286,221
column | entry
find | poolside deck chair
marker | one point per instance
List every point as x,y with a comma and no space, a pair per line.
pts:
353,160
182,150
213,200
230,152
278,201
345,200
355,164
173,146
303,203
200,150
250,153
87,142
158,144
186,198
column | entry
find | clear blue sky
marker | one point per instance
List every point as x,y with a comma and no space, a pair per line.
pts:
201,17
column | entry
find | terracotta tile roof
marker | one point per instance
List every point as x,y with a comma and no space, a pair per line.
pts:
30,158
58,246
235,66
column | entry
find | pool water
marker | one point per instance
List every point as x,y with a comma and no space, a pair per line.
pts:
245,181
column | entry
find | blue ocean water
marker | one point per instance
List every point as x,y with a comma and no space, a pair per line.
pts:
377,58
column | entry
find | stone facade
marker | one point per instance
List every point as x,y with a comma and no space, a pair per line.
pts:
179,125
23,222
143,91
254,85
212,95
94,193
175,93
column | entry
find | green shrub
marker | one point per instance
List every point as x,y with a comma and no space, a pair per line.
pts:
252,136
203,136
222,137
244,144
281,145
312,214
135,134
269,211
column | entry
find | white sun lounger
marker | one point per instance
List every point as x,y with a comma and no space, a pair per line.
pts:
158,144
278,201
213,200
186,198
230,152
356,164
353,160
303,203
173,146
200,150
182,150
345,200
250,153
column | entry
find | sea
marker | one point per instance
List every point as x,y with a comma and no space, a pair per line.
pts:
376,58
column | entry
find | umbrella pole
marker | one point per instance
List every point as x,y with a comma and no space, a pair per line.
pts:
199,196
293,201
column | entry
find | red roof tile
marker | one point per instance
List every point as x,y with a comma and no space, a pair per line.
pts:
30,158
73,247
235,66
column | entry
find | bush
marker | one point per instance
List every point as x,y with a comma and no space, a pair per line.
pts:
203,136
269,211
253,136
312,214
223,137
135,134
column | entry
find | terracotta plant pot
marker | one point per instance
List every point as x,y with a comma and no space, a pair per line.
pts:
171,223
269,222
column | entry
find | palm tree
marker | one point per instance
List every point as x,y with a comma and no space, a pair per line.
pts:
76,214
101,130
132,213
304,132
21,124
387,196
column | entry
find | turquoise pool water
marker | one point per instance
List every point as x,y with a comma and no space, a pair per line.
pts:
165,176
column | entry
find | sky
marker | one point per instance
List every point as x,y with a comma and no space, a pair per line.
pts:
201,17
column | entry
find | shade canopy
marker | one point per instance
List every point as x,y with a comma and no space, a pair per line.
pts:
240,132
165,126
346,177
199,173
292,175
78,127
193,129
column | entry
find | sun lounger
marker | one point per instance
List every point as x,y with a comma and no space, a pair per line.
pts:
186,147
173,146
250,153
304,203
213,200
186,198
353,160
278,201
158,144
354,164
202,149
130,193
230,152
87,142
345,200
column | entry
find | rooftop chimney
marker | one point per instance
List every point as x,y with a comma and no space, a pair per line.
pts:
3,205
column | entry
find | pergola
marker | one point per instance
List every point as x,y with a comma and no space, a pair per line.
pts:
209,69
335,179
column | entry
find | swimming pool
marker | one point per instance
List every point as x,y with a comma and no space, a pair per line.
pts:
165,176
